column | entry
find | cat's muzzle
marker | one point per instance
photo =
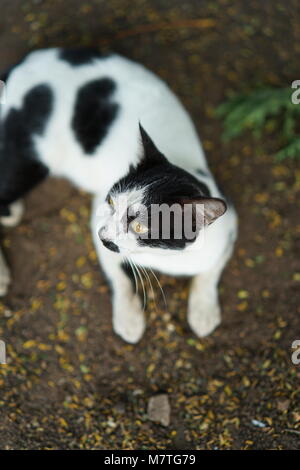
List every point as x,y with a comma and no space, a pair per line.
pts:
110,245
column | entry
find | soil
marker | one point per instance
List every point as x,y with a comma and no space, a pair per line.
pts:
70,382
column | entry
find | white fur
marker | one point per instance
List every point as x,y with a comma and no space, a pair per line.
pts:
145,98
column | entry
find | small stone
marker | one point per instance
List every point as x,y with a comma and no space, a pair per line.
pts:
159,409
258,423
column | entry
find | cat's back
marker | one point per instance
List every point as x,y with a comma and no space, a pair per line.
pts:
88,106
74,74
64,70
77,97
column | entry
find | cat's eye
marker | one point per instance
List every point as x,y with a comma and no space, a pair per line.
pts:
110,201
138,227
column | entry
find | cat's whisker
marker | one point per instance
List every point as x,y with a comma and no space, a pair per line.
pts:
133,272
146,274
160,287
142,282
151,285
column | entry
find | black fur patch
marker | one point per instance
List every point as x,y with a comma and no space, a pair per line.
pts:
111,246
81,56
168,181
20,170
94,112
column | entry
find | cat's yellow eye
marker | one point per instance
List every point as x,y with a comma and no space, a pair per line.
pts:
138,227
110,201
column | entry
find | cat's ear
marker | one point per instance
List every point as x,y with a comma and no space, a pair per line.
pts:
205,210
150,153
213,209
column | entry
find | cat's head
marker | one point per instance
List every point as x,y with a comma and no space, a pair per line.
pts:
156,206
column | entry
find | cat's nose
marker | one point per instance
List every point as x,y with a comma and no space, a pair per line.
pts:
110,245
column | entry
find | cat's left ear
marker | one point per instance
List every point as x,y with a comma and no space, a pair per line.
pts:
151,154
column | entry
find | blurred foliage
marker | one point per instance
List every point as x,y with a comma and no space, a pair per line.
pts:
267,109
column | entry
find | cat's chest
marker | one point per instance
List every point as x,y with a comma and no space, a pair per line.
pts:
177,264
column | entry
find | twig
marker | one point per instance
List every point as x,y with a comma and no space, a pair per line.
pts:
294,431
201,23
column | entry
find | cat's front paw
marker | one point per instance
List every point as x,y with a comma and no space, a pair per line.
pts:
203,317
128,319
4,280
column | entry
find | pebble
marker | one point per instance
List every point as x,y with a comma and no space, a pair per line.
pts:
159,409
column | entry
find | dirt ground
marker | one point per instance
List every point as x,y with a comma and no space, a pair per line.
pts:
70,382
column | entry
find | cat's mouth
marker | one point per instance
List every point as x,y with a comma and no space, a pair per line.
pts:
110,245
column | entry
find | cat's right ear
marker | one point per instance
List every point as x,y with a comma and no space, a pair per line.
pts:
150,153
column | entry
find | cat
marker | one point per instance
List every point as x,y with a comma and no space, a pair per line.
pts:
116,130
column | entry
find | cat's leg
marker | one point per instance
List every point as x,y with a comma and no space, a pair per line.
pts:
128,315
11,220
204,312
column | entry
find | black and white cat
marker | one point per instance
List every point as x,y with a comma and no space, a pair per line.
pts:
116,130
